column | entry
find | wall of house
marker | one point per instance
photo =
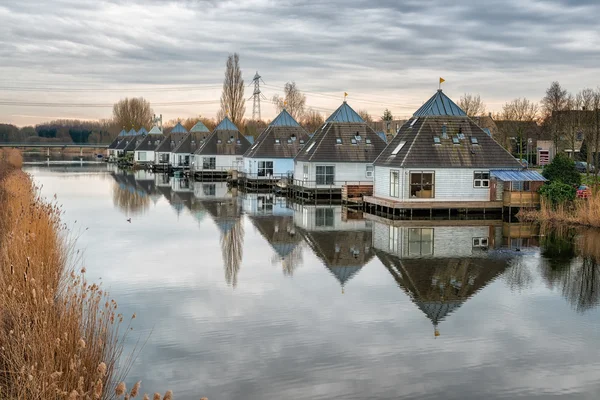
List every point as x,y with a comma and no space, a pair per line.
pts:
223,163
176,158
149,158
326,218
157,156
345,173
216,190
259,204
281,166
451,184
448,241
182,185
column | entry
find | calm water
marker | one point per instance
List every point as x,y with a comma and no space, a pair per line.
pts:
247,297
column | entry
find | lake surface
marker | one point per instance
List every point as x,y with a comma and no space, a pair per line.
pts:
252,297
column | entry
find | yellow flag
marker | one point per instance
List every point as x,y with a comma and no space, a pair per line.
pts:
345,94
442,80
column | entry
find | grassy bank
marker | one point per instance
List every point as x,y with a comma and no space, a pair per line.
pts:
585,212
60,336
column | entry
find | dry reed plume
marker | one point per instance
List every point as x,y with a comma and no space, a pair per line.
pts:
584,212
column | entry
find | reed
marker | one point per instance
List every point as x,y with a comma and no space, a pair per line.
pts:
585,212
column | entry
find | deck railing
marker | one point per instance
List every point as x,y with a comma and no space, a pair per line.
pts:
520,199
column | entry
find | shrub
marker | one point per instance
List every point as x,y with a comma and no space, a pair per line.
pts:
562,169
558,192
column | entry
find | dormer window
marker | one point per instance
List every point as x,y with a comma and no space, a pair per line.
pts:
293,137
367,141
455,140
474,140
172,143
436,140
353,141
301,141
238,141
219,141
338,140
277,141
289,141
357,137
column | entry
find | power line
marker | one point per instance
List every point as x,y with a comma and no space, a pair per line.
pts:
145,89
98,105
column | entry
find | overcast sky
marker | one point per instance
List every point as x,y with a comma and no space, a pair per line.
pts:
383,53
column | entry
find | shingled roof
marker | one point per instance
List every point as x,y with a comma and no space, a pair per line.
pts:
191,142
199,128
142,131
131,132
150,142
170,142
226,139
283,138
444,137
279,231
133,142
178,129
344,137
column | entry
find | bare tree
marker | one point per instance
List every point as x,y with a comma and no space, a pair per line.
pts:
586,99
553,103
518,114
233,103
293,101
132,113
364,114
312,120
472,105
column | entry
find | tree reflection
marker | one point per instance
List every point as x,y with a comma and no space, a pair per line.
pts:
519,275
129,200
232,249
292,261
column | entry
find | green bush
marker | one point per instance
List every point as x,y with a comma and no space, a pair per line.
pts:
558,192
562,169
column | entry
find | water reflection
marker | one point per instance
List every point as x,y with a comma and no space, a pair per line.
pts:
127,196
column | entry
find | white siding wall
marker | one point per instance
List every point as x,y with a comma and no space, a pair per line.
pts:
149,156
448,241
326,218
217,190
266,204
451,184
345,173
281,166
223,163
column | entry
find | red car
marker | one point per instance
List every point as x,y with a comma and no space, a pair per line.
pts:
583,192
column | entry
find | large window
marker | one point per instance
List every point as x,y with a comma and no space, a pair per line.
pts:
394,184
422,184
164,158
209,163
325,174
141,156
265,168
324,217
481,179
420,241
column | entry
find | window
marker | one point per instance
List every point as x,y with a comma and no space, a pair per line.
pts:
305,173
325,174
353,141
164,158
420,241
301,141
311,146
209,189
422,185
474,140
481,179
455,140
436,140
289,141
265,203
394,184
461,136
338,140
324,217
393,244
480,242
219,141
367,141
413,122
142,156
239,141
398,148
265,168
369,171
277,141
209,163
357,137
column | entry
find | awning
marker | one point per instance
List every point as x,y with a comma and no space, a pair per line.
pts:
517,176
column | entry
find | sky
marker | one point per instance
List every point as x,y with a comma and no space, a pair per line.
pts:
74,59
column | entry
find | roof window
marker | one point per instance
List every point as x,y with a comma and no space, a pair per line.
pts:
301,141
413,122
436,140
338,140
353,141
289,141
311,146
398,148
219,141
474,140
277,141
455,140
368,141
238,141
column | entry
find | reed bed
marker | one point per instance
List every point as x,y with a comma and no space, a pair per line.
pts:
60,336
585,212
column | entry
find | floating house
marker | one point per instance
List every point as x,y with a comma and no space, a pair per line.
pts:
340,153
183,153
441,159
272,154
144,151
221,152
112,148
163,154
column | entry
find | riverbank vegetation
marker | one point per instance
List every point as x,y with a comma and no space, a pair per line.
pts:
61,337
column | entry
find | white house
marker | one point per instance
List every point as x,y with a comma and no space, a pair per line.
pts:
340,152
112,148
223,150
183,153
272,154
163,154
144,151
441,155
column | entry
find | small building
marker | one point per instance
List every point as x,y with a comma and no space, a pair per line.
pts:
272,154
440,159
183,154
341,152
144,151
221,152
163,153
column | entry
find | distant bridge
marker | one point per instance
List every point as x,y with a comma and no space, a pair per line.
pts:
57,145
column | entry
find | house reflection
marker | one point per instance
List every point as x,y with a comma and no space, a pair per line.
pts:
441,266
225,208
128,197
341,242
273,217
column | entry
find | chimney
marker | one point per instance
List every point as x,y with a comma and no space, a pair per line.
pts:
444,132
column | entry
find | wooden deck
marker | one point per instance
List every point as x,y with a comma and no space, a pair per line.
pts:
434,205
433,222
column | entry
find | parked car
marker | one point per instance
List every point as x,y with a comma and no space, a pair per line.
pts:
582,167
